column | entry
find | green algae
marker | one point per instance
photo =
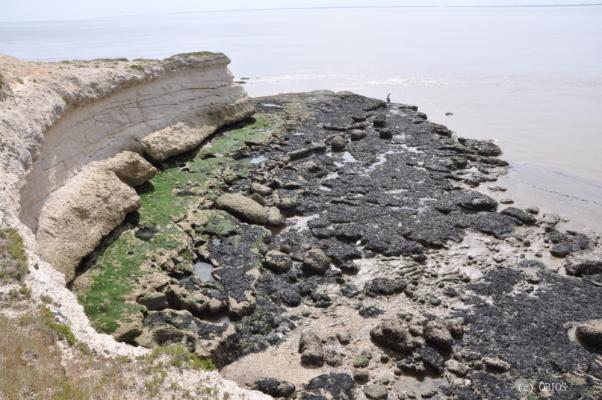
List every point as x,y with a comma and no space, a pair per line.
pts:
111,281
221,224
181,185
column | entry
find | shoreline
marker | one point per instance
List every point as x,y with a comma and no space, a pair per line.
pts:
337,235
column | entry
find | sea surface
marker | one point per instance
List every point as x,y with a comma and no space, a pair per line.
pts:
529,78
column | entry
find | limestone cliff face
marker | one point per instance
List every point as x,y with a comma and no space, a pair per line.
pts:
79,214
76,138
59,119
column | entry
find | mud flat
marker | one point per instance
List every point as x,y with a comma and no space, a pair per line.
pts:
336,246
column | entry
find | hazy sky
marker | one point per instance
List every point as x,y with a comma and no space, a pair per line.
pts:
36,10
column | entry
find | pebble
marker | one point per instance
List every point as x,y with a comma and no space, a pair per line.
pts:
435,301
338,143
385,134
532,210
361,376
357,134
344,338
375,391
494,364
360,361
533,279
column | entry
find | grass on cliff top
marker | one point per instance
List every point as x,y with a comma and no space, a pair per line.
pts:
196,54
166,198
13,262
32,367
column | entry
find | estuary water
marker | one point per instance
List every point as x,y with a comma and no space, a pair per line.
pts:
529,78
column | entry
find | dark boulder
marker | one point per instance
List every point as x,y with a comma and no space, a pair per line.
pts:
383,286
274,387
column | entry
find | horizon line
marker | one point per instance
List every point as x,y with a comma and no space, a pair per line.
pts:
565,5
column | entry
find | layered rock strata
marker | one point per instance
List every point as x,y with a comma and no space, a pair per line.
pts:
63,122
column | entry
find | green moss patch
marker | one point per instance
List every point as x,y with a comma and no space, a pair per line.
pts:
181,186
221,224
196,54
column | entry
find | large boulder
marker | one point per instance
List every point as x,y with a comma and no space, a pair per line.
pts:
88,207
184,136
244,207
274,387
590,334
586,264
131,168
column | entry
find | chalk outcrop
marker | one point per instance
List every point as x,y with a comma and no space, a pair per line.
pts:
77,137
79,214
58,118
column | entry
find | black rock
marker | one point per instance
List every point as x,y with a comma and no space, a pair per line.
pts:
436,333
370,312
385,134
274,387
379,122
384,286
337,386
357,134
350,290
315,261
584,265
519,215
432,359
290,296
392,334
481,147
475,201
567,243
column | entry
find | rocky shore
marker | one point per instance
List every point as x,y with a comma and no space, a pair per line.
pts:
340,248
330,246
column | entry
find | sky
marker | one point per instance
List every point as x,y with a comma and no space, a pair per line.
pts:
42,10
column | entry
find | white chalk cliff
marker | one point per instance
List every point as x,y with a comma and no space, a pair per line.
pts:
76,138
61,120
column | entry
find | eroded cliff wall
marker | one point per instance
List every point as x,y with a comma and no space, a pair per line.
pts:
76,137
59,119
